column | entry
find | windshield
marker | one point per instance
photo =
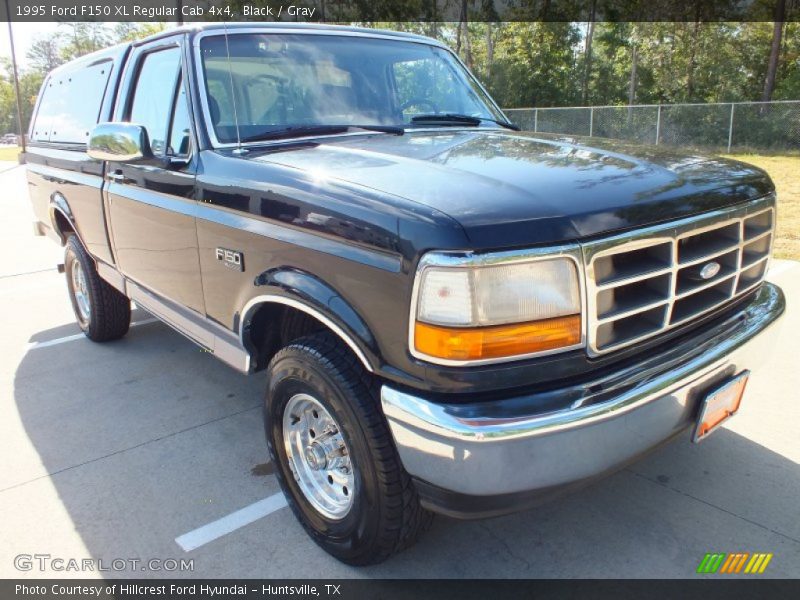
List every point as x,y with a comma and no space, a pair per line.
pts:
278,82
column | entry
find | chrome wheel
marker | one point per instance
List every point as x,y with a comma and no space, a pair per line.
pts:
318,456
80,291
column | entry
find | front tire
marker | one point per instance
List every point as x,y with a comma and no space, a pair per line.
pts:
335,458
102,312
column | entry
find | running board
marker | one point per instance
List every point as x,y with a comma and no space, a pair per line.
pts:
205,333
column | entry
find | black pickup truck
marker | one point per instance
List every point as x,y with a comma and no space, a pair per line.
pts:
455,316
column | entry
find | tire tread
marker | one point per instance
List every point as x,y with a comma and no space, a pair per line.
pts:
111,310
404,519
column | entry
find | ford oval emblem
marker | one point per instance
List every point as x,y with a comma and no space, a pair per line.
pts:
710,270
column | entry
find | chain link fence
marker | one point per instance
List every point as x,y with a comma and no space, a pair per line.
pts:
723,127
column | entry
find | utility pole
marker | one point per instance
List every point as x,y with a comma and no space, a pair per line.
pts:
16,79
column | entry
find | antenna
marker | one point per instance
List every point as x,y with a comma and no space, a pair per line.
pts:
239,149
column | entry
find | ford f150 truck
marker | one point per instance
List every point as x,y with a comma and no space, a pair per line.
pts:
454,316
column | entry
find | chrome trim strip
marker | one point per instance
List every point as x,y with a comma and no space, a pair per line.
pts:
753,263
468,259
244,221
111,276
672,233
584,256
440,423
197,328
228,350
755,284
628,280
704,286
756,238
62,239
615,316
320,243
253,303
65,175
707,257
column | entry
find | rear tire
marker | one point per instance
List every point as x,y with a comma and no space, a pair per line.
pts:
102,312
321,381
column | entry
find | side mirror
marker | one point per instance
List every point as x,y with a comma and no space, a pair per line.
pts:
119,142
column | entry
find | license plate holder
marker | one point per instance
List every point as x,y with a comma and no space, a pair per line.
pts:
719,405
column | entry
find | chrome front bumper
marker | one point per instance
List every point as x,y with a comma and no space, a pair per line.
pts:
612,420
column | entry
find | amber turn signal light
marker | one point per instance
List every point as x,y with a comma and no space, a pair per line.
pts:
498,341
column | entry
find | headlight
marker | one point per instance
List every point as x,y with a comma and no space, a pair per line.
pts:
496,310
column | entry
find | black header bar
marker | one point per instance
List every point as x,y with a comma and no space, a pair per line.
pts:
394,589
335,11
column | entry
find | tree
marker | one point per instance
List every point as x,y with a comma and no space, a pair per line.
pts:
29,84
48,52
527,63
634,64
788,77
463,34
775,50
535,64
130,32
587,63
45,54
587,54
83,38
489,14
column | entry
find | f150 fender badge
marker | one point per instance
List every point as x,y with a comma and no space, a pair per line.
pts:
232,259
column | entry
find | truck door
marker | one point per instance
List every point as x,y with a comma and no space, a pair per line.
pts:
151,203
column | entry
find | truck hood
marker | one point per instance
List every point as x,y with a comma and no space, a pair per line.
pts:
511,189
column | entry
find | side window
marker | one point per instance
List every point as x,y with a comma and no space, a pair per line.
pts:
70,104
153,96
179,137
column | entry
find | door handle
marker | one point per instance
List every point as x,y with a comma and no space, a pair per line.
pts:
117,176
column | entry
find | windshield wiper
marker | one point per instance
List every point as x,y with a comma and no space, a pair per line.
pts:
506,124
453,119
311,130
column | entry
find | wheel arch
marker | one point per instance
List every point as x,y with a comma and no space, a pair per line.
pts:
61,218
297,290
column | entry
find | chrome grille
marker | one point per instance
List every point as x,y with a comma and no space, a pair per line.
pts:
645,282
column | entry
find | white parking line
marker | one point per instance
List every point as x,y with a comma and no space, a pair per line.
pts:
37,272
776,268
77,336
236,520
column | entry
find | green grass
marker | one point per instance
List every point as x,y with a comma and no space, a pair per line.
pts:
784,171
9,153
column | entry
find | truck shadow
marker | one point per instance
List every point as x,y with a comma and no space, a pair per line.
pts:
657,518
56,333
147,438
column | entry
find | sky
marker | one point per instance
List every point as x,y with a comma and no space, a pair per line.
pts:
24,35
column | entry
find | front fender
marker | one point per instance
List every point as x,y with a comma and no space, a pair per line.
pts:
307,293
